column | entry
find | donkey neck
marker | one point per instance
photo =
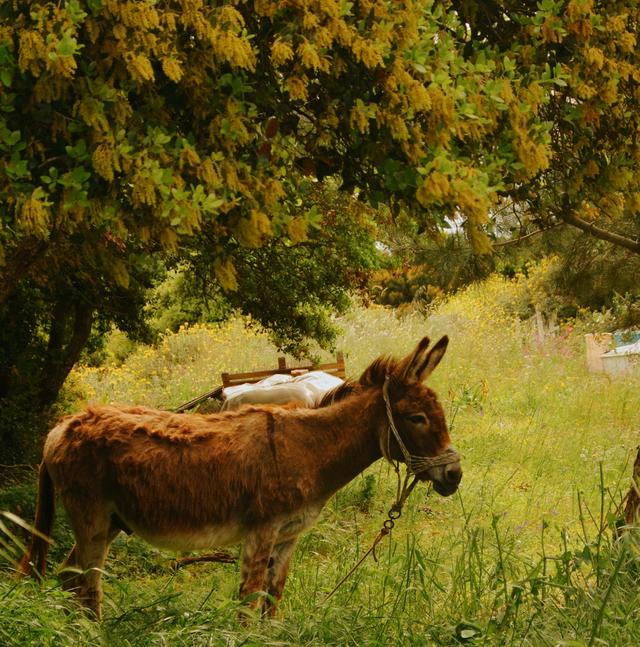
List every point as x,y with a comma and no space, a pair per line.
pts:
346,438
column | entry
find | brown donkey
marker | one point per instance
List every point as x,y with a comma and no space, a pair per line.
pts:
261,474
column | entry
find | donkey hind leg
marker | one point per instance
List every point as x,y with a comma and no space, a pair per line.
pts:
256,552
277,573
70,572
82,570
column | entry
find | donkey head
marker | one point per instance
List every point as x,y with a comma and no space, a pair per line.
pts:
417,416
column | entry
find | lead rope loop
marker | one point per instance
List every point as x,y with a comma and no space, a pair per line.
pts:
393,515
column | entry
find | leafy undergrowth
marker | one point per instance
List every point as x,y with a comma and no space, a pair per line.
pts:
524,554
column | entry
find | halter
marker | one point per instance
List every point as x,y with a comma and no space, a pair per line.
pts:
415,464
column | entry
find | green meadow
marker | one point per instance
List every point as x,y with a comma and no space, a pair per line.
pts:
526,553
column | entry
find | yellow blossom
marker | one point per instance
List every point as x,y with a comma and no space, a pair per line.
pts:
281,52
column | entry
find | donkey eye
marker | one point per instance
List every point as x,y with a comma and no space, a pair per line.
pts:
417,418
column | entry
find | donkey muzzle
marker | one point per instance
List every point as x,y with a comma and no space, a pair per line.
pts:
447,477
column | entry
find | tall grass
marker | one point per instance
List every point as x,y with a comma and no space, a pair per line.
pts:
524,554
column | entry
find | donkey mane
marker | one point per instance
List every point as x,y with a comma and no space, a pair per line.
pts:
338,393
376,372
374,375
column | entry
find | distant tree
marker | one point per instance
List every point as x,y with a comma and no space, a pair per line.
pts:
593,275
420,268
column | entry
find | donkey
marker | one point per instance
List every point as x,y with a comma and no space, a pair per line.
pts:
260,474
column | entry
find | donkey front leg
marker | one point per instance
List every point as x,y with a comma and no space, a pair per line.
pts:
256,552
278,571
285,544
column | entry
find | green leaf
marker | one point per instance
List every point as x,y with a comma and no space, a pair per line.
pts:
76,178
313,217
80,174
17,168
12,138
67,45
78,151
75,11
158,138
212,203
95,6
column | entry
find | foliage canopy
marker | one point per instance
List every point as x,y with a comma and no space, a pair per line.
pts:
138,126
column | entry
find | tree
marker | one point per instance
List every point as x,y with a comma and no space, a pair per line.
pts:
291,288
132,130
131,126
588,182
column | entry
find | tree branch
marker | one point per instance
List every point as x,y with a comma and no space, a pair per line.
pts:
515,241
597,232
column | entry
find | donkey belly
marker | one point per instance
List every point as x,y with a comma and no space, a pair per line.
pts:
204,537
185,539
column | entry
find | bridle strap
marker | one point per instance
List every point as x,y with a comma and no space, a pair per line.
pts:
415,464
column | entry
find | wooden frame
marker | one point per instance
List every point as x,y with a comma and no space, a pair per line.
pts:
336,368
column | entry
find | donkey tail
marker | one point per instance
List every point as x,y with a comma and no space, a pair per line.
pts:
35,559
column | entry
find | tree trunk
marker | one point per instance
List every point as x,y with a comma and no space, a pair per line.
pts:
62,356
31,378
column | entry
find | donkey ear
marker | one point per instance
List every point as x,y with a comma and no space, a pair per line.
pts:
421,363
410,363
433,357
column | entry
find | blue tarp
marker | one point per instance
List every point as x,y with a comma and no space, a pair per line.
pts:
624,337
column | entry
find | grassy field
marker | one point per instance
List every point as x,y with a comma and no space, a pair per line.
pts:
524,554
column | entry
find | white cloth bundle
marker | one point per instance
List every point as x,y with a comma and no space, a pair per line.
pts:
306,390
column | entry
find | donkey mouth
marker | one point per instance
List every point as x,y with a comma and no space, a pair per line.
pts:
445,489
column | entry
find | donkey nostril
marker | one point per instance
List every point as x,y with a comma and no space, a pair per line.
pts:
453,475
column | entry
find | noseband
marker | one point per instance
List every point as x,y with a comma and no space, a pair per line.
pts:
415,464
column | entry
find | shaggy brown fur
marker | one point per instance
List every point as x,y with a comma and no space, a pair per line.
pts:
261,474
